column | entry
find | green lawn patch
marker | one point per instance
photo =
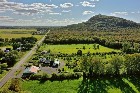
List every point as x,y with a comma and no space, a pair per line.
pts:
73,48
100,85
4,72
52,87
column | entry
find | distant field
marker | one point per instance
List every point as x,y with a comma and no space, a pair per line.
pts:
4,47
69,49
17,33
78,86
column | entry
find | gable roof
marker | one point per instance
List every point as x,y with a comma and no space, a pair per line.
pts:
32,69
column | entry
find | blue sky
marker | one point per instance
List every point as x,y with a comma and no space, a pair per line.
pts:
63,12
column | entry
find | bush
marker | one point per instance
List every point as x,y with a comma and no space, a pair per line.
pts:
76,69
15,85
45,76
35,77
79,52
65,76
54,76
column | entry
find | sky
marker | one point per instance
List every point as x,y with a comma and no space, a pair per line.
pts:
64,12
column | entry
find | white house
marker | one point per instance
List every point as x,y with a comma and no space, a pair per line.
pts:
56,63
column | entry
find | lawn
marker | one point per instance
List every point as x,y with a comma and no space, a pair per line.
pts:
73,48
4,47
52,87
113,85
18,33
3,74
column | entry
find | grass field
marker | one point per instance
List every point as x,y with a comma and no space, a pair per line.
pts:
4,47
18,33
3,74
78,86
69,49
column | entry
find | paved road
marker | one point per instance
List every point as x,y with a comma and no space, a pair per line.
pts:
17,66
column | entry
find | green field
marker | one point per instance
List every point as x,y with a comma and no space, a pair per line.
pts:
73,48
4,47
18,33
79,86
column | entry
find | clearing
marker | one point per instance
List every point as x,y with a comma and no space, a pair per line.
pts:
73,48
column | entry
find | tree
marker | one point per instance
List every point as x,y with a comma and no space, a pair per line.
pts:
132,63
79,52
126,47
84,47
94,46
15,85
10,58
98,47
2,66
97,65
85,65
116,64
1,53
15,46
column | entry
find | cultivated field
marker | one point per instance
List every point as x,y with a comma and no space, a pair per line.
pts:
18,33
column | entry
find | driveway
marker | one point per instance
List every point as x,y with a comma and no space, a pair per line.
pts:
51,70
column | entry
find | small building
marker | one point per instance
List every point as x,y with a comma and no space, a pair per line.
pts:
18,49
30,70
56,63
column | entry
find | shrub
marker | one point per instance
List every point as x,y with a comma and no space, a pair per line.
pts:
45,76
76,69
79,52
35,77
15,85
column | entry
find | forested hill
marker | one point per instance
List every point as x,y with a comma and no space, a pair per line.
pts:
103,22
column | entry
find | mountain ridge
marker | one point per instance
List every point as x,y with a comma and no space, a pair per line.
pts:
104,22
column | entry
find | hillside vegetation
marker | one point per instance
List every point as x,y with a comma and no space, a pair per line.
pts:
103,22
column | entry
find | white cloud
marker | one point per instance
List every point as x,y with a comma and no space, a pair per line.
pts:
87,12
3,0
62,22
119,13
66,5
66,11
87,4
6,19
55,13
26,9
77,5
133,12
94,0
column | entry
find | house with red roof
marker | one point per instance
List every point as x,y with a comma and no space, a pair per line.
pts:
30,70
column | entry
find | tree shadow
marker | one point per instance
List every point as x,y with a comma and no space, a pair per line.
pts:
42,81
92,86
101,85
